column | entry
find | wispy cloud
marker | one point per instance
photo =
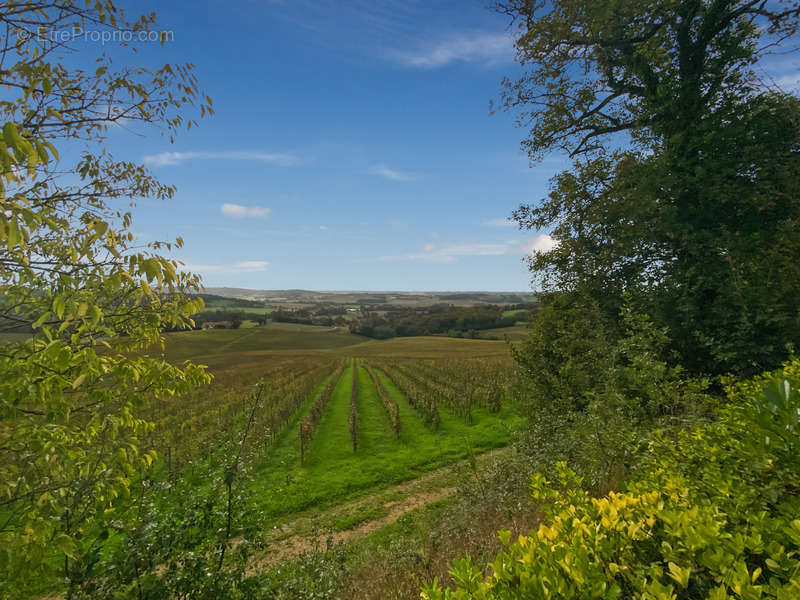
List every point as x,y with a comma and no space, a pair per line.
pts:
237,211
485,48
503,222
247,266
384,171
450,252
164,159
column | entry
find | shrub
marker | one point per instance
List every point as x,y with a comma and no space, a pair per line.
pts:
710,513
593,389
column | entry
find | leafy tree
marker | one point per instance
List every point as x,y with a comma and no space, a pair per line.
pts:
70,269
694,218
653,70
594,394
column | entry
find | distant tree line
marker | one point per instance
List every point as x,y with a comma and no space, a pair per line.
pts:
493,298
330,310
309,316
234,317
441,318
212,300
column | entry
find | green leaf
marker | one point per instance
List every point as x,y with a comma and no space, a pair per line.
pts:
679,574
67,545
12,234
78,381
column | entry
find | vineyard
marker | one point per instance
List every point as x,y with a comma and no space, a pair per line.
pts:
302,432
332,422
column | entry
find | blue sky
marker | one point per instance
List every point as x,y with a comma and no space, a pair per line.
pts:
352,147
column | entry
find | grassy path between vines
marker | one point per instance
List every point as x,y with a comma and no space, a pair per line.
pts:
333,473
355,519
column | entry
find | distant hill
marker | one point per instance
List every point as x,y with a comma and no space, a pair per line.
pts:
408,299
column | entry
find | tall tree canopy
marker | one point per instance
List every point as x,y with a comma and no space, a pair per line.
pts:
683,196
653,68
72,272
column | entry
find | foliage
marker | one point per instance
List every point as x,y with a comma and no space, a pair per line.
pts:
700,271
72,272
176,541
441,318
419,396
655,69
693,218
315,576
233,318
711,513
591,391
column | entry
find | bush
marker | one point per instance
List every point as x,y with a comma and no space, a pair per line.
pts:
710,513
593,388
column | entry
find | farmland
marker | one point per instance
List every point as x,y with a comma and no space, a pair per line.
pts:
309,373
340,416
303,427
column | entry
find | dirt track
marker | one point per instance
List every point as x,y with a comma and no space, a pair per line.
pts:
302,534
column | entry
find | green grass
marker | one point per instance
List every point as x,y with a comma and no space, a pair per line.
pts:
362,516
515,333
230,304
520,313
333,472
281,487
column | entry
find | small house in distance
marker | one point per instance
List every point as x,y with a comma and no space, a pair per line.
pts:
217,325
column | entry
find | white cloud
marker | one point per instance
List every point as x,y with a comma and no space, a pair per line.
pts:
247,266
543,243
175,158
323,227
486,48
451,252
237,211
504,222
384,171
252,265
